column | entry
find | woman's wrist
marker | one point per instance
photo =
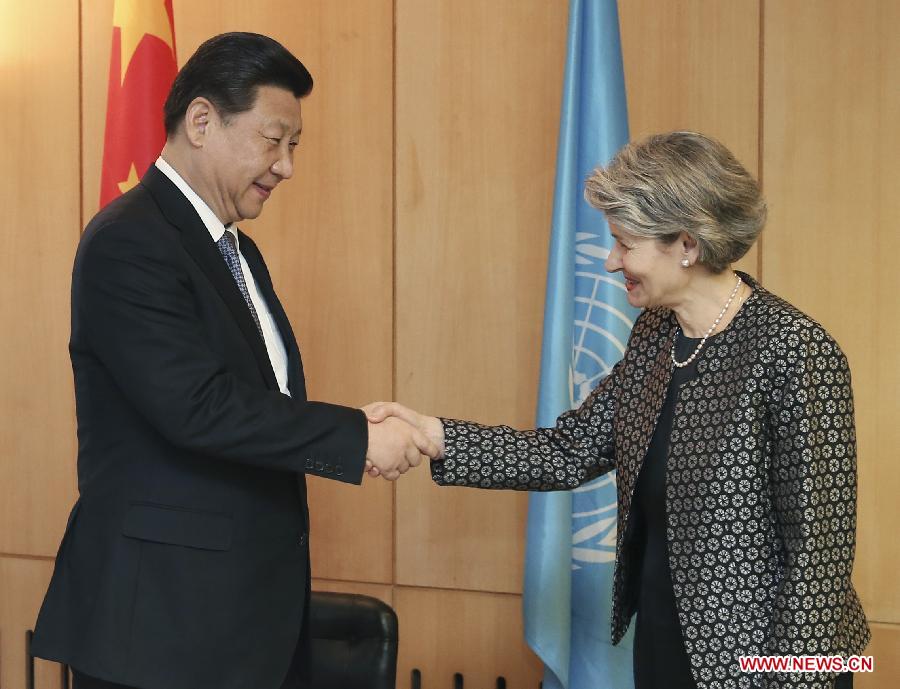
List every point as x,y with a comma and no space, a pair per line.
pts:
434,429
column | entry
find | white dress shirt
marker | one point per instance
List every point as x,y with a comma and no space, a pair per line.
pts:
274,343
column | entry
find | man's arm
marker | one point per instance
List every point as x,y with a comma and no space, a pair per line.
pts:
136,306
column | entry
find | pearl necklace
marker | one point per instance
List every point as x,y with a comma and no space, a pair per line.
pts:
682,364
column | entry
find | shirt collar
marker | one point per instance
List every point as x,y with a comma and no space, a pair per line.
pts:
212,223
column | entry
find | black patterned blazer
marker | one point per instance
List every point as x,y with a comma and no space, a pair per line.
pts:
760,492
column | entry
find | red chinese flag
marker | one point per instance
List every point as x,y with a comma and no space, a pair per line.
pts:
142,67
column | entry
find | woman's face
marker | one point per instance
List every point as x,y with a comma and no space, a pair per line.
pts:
652,270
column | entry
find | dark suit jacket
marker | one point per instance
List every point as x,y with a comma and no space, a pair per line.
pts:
185,561
760,485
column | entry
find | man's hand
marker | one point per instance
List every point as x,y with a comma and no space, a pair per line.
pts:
394,447
429,427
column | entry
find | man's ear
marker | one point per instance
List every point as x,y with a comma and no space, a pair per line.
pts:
197,120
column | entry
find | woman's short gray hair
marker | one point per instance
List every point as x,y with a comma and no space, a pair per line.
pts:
682,181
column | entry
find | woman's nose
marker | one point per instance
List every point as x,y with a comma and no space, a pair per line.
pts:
613,261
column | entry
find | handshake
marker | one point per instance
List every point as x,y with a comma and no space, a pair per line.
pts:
398,437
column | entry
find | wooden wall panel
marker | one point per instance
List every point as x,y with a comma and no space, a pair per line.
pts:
478,95
831,167
96,31
22,586
885,649
39,197
379,591
477,101
476,634
351,534
326,233
694,64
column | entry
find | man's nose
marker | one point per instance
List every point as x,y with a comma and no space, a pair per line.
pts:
284,166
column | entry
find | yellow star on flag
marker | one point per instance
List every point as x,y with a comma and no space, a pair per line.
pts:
131,181
135,19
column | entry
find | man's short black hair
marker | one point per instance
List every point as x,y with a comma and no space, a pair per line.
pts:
228,69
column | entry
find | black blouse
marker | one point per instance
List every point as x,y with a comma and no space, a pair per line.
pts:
660,660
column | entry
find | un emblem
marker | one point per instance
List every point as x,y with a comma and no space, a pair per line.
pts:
603,321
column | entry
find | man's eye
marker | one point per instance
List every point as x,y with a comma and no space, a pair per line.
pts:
294,144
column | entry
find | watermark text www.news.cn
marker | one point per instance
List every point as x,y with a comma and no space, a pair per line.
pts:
836,664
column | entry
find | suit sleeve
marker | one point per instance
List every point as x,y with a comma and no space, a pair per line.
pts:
576,450
137,311
813,486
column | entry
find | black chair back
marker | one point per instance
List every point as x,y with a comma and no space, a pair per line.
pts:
354,642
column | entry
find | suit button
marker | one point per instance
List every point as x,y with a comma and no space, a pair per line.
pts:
339,470
303,539
319,466
309,464
328,468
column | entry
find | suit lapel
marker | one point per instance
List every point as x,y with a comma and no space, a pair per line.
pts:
199,244
296,382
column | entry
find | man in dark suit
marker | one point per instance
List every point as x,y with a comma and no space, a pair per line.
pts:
185,560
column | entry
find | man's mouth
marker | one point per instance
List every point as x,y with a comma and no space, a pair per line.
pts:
630,283
263,189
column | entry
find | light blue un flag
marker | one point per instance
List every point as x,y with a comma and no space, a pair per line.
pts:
587,319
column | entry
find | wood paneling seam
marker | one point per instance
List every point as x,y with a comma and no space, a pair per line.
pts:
80,122
394,216
760,127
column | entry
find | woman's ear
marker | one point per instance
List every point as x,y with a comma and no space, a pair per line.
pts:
690,250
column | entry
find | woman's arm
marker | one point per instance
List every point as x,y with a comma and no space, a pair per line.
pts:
813,487
577,449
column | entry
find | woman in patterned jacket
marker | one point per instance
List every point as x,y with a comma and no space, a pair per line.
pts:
730,423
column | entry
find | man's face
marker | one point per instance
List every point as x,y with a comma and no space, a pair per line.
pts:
250,154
